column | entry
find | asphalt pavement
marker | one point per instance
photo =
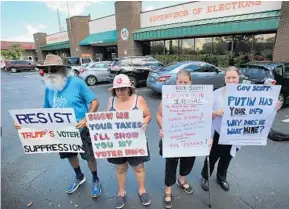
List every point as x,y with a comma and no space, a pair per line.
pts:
258,176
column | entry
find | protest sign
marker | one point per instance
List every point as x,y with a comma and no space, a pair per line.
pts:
249,113
187,120
48,130
117,134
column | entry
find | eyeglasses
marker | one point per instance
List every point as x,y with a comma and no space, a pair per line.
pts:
121,89
51,69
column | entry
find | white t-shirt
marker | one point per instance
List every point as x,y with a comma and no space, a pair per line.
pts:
219,103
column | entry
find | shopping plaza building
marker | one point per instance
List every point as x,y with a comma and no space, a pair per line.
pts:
232,27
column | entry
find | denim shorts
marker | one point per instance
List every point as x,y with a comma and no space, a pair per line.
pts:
132,161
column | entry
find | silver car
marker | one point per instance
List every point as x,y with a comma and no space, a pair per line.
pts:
94,72
202,73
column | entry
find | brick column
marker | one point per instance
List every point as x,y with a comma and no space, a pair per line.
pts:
39,40
78,31
127,15
281,49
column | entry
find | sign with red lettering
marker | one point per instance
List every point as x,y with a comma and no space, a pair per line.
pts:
48,130
117,134
57,37
205,10
187,120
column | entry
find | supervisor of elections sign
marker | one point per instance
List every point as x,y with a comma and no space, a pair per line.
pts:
48,130
249,113
117,134
187,120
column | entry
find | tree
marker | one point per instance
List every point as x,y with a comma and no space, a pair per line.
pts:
14,52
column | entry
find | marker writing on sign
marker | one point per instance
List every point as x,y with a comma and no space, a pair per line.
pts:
56,117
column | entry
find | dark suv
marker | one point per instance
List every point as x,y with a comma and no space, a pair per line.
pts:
19,65
136,68
258,72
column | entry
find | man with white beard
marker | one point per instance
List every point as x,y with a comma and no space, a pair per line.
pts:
66,91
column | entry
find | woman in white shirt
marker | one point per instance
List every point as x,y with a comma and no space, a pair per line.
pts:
223,153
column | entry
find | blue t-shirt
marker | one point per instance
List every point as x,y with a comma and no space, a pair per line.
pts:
76,94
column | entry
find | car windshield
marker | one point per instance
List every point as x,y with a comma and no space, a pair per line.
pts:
254,72
171,67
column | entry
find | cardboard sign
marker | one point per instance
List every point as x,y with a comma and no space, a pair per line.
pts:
249,113
48,130
117,134
187,120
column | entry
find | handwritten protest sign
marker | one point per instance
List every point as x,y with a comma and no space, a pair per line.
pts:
187,120
248,114
48,130
117,134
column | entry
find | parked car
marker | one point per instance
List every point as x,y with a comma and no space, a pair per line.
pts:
136,68
76,63
202,73
258,72
19,65
94,72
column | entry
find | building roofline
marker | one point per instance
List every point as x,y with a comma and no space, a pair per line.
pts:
101,18
170,6
56,33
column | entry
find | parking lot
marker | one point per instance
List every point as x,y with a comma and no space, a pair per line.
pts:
258,176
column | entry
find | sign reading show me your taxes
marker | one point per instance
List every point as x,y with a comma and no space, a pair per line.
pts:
249,113
117,134
48,130
187,120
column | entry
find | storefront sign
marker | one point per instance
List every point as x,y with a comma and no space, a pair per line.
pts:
205,10
57,37
248,114
186,120
47,130
102,25
124,34
117,134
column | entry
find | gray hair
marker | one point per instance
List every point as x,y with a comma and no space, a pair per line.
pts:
232,68
185,73
66,71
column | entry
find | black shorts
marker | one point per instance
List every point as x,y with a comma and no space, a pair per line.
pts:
132,161
86,145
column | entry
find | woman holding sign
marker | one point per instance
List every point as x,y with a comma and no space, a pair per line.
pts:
186,163
124,99
220,152
223,153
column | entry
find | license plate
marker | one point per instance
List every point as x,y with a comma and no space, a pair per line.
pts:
247,82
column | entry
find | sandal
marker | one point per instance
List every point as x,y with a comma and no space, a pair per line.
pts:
168,204
188,190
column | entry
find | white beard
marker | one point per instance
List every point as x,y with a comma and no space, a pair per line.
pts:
55,82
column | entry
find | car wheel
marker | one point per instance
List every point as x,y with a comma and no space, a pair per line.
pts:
133,81
281,100
91,80
13,70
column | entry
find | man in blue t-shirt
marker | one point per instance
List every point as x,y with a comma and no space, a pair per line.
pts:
66,91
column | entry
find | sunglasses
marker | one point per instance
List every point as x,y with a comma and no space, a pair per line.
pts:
51,69
121,89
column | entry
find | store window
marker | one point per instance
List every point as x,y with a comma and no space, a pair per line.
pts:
286,71
243,45
222,45
171,46
204,45
263,45
187,47
157,47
